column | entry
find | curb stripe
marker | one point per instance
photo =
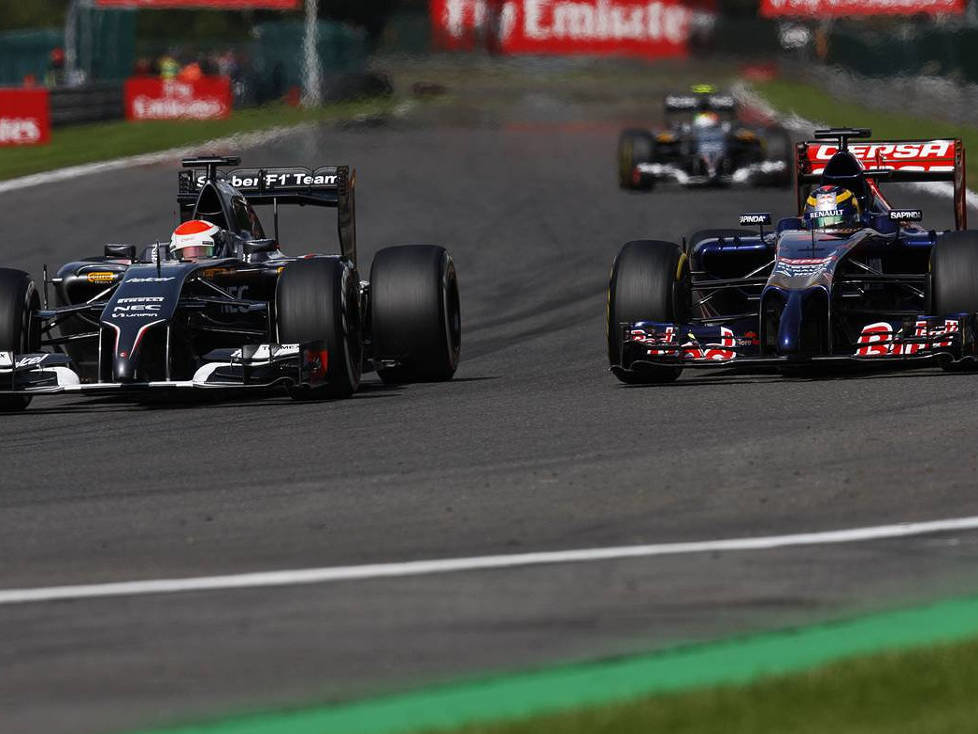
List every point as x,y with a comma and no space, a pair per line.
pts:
520,695
242,140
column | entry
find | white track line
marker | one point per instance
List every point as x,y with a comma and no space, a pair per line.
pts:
239,141
450,565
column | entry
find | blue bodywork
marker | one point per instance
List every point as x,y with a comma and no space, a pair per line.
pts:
806,296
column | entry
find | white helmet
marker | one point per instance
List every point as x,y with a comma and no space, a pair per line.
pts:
706,119
194,239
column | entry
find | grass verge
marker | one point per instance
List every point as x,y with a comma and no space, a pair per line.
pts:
931,690
817,105
79,144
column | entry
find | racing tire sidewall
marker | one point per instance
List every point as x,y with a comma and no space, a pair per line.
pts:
954,279
415,313
318,299
19,332
634,147
649,282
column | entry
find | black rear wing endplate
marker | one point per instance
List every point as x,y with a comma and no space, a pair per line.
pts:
326,186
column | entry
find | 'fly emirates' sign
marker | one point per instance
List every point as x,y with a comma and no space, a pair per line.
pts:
24,117
157,99
651,28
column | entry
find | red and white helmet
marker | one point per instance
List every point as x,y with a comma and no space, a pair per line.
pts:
193,239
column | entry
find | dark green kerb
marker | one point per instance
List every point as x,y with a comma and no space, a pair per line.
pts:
523,694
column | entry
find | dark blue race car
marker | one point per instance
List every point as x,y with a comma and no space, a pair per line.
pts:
851,279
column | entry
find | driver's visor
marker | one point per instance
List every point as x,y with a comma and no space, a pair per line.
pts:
195,251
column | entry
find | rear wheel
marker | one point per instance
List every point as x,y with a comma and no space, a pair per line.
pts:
19,332
634,147
319,300
649,282
954,275
415,313
778,147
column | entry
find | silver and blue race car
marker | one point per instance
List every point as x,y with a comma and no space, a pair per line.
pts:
140,320
705,142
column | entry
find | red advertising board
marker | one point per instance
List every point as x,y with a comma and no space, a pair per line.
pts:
207,98
839,8
221,4
649,28
24,117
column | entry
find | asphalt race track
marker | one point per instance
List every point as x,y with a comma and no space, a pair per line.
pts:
533,447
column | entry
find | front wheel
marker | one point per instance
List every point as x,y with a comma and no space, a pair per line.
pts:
319,300
415,313
19,332
954,275
634,147
649,282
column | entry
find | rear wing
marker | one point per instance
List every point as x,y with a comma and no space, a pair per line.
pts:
327,186
700,103
899,161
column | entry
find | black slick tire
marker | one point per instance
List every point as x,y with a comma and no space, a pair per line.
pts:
319,300
18,328
779,147
649,282
954,276
415,313
634,147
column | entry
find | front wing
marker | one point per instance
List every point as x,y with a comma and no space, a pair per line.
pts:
754,174
250,366
649,344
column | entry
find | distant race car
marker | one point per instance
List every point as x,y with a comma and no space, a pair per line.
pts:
219,306
704,143
852,279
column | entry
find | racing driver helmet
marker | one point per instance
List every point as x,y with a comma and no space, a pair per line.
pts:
832,209
706,119
193,239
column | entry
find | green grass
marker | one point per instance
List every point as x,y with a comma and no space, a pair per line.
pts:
817,105
102,141
930,690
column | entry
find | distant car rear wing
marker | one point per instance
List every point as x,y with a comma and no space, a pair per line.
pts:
899,161
328,186
700,103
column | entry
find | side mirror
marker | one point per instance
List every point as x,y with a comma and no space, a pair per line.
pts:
122,252
252,247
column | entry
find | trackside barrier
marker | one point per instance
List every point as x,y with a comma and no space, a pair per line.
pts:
90,103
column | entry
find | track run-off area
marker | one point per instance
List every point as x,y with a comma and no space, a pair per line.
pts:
554,495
